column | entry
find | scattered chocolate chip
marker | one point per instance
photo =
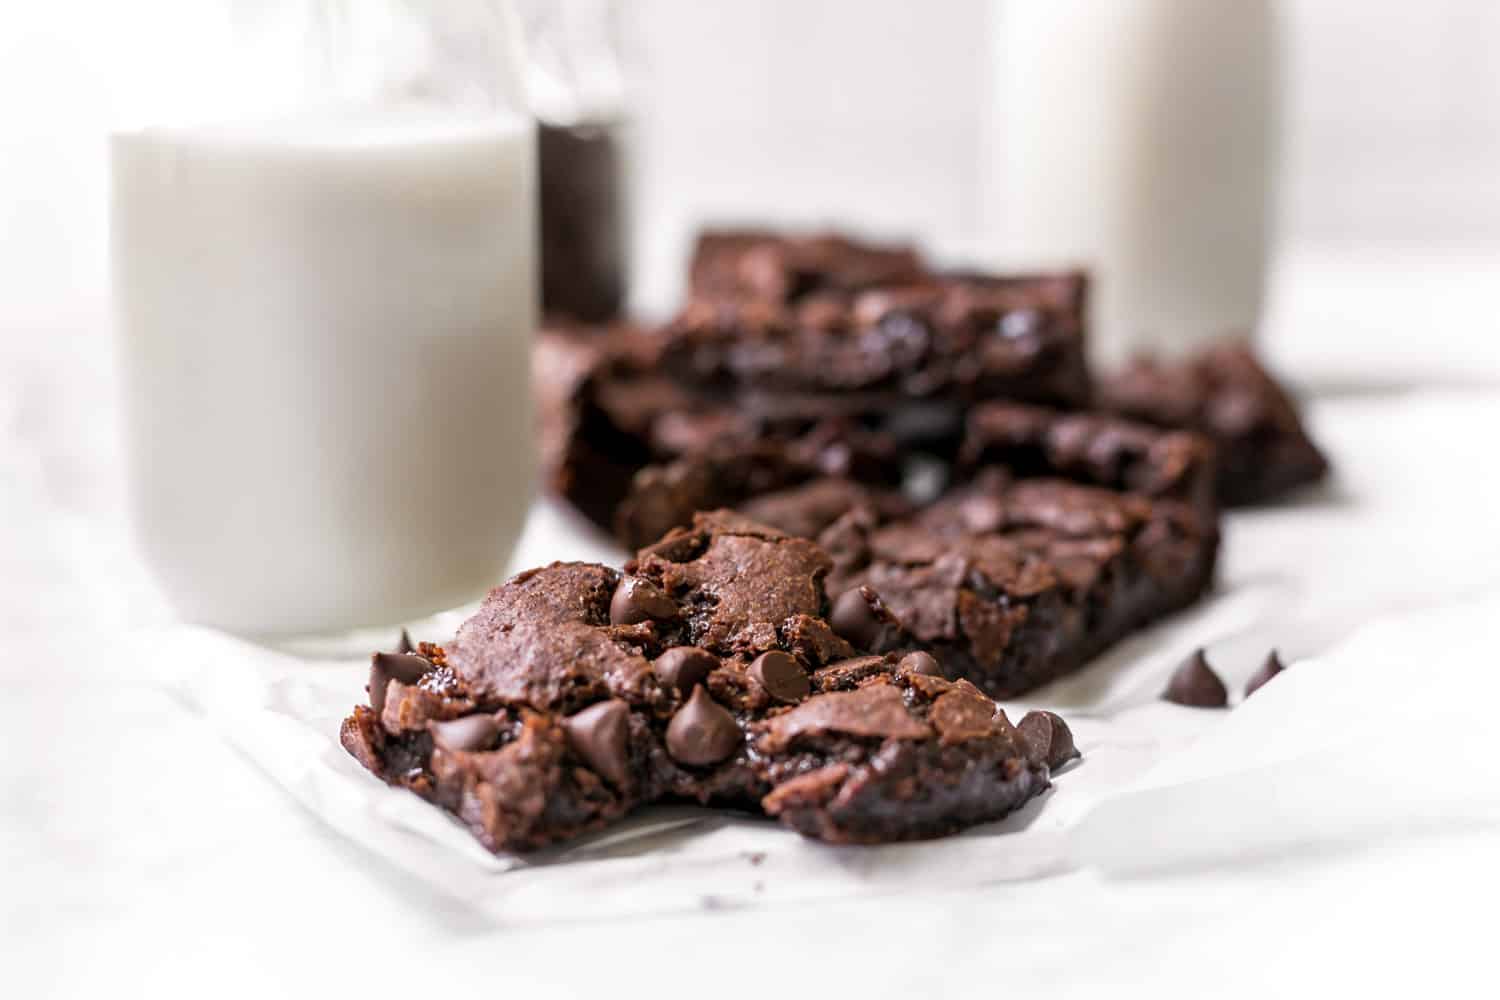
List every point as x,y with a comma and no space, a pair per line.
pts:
1048,739
386,667
1269,669
1196,685
702,732
470,734
405,644
855,619
919,663
638,600
600,735
684,667
781,675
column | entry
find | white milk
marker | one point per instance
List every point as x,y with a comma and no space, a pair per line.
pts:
1134,136
324,327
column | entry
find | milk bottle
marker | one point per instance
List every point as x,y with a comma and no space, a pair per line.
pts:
1135,137
324,315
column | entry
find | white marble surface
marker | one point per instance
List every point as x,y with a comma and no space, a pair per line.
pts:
144,857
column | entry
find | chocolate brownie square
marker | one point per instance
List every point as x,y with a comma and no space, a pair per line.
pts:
708,672
942,345
1225,394
1009,583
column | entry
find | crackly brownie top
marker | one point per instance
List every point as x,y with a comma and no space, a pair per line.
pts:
994,502
758,264
965,568
543,639
1099,448
739,584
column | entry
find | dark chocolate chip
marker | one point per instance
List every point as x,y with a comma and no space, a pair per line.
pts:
470,734
600,735
684,668
386,667
919,663
854,618
1269,669
638,600
781,675
405,643
1048,739
1196,685
702,732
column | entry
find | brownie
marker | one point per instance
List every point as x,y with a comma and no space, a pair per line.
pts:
937,347
708,672
1013,583
888,354
1224,393
782,268
1095,448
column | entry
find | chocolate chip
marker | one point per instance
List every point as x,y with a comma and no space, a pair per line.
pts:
702,732
1269,669
854,618
386,667
1196,685
638,600
919,663
1048,739
405,643
781,675
684,667
600,735
470,734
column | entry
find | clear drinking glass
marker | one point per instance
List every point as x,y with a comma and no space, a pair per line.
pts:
323,241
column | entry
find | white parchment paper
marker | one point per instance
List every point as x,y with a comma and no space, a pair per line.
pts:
1377,732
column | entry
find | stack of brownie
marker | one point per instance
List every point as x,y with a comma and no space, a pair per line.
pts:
866,497
799,357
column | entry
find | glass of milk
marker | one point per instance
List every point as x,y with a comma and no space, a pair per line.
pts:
1135,137
323,244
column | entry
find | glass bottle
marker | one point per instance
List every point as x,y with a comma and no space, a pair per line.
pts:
576,84
1137,138
322,232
